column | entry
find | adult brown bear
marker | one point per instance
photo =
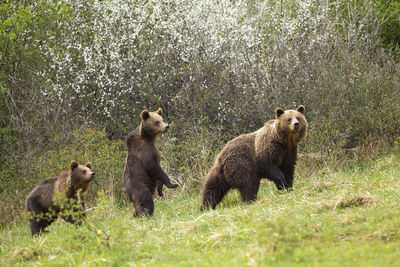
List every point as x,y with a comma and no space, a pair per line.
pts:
142,171
270,152
41,203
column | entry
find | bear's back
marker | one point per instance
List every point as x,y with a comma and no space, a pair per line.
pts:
44,185
241,145
42,194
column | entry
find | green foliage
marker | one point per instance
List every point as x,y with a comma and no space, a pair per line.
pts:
390,12
71,209
188,160
385,14
22,27
335,216
107,159
7,140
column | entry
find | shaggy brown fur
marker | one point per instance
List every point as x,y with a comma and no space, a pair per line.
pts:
142,171
41,204
270,152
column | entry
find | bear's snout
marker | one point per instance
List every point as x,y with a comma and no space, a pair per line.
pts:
166,128
296,125
91,177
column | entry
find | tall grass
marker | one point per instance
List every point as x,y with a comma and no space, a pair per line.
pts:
335,216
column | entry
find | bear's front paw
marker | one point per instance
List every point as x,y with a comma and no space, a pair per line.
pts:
173,186
280,187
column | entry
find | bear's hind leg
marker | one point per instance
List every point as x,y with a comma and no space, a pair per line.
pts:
143,204
215,189
38,225
244,178
249,191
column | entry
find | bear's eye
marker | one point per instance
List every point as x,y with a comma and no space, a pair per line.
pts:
157,123
289,120
298,118
84,171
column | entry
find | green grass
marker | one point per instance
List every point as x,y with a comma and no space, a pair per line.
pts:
346,216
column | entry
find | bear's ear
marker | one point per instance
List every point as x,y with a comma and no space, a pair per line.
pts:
159,111
89,165
74,164
279,112
145,115
301,109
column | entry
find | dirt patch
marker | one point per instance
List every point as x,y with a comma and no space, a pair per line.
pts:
345,236
357,201
320,187
348,202
29,253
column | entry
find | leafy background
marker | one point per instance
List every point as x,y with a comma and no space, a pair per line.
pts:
74,77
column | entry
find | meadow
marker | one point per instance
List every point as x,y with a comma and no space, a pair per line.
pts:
345,215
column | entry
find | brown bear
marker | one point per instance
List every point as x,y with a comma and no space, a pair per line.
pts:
270,152
43,206
142,171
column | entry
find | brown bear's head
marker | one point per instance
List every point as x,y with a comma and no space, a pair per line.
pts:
292,123
152,123
81,175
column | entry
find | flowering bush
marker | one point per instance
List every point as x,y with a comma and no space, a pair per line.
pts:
218,61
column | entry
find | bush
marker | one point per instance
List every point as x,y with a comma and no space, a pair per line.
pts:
225,70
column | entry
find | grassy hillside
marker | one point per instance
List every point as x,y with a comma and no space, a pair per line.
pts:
347,216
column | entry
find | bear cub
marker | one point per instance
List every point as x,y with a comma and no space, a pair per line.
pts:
270,152
143,173
42,205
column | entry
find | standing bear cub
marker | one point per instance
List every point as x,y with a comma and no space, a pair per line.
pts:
142,171
270,152
43,206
